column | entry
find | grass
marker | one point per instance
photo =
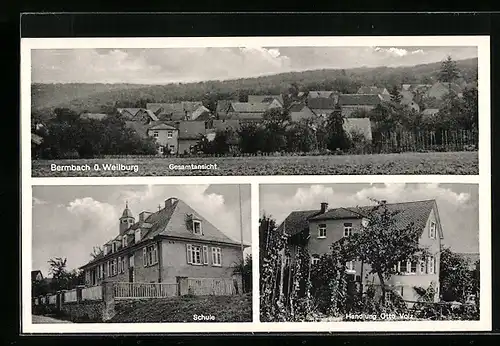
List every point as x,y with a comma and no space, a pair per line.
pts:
453,163
182,309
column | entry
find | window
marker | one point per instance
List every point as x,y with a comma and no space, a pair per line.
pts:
322,231
105,250
108,269
413,266
103,271
131,261
421,266
347,229
113,247
194,254
124,240
150,255
431,265
155,134
216,256
160,150
314,259
171,148
350,266
113,267
123,264
137,235
170,134
120,264
197,227
205,254
432,230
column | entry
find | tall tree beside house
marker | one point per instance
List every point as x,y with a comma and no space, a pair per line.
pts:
455,278
62,279
396,96
449,71
337,137
300,137
381,244
252,137
244,268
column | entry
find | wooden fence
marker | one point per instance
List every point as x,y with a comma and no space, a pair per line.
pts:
208,286
92,293
135,290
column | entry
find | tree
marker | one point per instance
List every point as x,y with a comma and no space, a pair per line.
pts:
449,71
382,243
395,95
454,276
337,137
244,268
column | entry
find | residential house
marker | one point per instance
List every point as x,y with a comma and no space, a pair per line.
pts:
360,126
172,245
406,101
93,116
272,100
415,87
185,110
166,136
318,229
323,94
321,106
246,111
440,89
373,90
299,111
190,133
350,103
138,114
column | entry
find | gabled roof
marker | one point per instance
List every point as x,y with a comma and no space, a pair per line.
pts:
297,221
34,274
130,111
454,86
361,125
359,99
321,103
191,129
297,107
371,90
320,93
140,128
224,124
94,116
264,98
161,127
151,115
247,107
177,109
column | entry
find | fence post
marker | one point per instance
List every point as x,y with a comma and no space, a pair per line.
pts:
79,297
108,296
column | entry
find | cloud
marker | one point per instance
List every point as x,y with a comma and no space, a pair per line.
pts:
173,65
458,210
37,201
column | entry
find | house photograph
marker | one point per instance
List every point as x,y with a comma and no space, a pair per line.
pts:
156,253
392,109
359,252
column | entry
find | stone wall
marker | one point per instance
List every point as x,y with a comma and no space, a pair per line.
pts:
86,311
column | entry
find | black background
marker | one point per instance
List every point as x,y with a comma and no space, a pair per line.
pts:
228,24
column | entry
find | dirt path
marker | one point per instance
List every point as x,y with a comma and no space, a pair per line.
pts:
46,319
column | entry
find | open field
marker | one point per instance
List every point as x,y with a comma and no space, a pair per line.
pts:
183,309
456,163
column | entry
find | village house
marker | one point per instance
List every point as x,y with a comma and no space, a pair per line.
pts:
175,245
321,106
299,111
271,100
166,136
350,103
93,116
373,90
318,229
190,133
441,89
36,276
245,111
185,110
145,116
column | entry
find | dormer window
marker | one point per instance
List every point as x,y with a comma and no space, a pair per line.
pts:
137,235
197,227
114,247
432,230
106,250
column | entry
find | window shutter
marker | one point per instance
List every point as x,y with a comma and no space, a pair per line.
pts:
189,254
205,254
144,257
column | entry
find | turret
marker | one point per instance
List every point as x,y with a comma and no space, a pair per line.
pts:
126,220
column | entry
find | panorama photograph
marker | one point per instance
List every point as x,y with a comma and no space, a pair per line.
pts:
317,110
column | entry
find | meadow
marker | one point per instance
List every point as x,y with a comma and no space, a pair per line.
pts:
452,163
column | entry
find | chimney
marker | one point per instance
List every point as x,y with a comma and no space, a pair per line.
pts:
169,202
324,207
144,215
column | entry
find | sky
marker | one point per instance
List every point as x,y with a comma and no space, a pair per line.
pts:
68,221
458,204
183,65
